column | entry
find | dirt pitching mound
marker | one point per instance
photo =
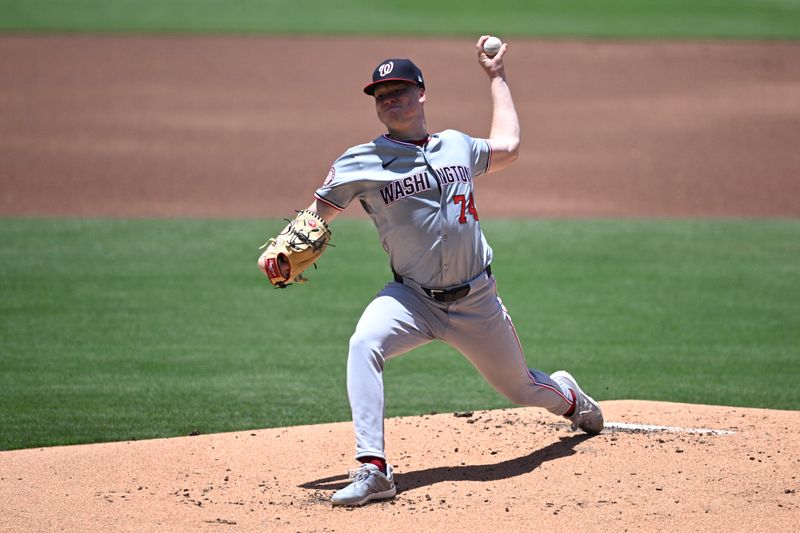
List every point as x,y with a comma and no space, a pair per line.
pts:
706,468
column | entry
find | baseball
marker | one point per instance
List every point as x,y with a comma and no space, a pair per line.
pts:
492,45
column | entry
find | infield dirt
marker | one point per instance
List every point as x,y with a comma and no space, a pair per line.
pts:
224,126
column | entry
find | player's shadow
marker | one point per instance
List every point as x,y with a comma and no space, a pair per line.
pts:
488,472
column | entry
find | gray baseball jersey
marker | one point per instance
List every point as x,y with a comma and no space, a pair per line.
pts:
421,200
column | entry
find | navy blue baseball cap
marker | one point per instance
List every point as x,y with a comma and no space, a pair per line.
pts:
395,70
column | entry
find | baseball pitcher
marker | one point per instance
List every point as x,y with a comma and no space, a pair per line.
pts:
419,190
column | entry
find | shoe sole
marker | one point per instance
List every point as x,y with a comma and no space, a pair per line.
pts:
369,497
568,376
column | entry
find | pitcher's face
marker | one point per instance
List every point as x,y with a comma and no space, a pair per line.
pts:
398,103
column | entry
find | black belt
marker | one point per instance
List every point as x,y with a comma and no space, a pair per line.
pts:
445,295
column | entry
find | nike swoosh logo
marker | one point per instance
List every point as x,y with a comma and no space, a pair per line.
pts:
387,163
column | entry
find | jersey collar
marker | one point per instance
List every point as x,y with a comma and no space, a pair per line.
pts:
420,143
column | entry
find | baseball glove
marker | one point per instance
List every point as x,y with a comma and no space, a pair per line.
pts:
295,248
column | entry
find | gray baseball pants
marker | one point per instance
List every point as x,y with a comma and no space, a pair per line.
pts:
402,317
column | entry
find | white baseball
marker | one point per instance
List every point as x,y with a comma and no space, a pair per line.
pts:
492,45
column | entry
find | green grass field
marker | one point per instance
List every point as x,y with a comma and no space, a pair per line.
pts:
131,329
735,19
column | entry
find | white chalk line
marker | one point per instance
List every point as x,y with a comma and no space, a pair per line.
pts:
624,426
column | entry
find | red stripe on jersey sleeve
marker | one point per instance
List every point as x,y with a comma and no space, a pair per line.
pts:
327,202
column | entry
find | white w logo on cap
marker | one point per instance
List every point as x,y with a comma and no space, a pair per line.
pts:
386,68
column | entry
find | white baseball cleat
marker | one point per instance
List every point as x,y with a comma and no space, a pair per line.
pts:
369,483
587,415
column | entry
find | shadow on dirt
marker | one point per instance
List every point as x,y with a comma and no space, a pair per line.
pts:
488,472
